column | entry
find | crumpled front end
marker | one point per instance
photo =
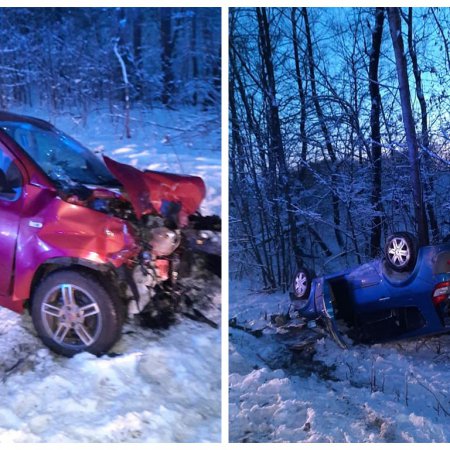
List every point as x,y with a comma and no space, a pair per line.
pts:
170,195
145,238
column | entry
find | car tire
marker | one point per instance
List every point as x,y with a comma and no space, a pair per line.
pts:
301,284
400,251
73,312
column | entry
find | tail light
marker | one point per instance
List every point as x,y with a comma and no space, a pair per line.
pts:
441,292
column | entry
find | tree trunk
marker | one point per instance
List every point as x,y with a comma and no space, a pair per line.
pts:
324,128
408,122
137,50
425,136
301,92
194,57
276,143
167,43
126,90
375,133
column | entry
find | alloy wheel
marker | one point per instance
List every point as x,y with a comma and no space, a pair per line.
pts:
300,284
71,316
398,252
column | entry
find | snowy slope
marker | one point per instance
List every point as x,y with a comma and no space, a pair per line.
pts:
381,393
157,386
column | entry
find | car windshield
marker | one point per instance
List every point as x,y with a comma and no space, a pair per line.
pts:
62,158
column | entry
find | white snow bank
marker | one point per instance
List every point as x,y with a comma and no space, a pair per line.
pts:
163,387
381,393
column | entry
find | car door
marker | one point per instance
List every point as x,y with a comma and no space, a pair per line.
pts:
11,202
370,292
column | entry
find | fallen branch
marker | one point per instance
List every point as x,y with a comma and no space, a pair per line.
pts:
198,316
12,369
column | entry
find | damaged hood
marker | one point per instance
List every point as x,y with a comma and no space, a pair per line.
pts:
154,192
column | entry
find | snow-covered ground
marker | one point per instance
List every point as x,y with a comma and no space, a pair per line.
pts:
396,392
156,386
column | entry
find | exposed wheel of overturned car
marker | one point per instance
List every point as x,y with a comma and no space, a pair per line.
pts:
73,312
401,251
301,284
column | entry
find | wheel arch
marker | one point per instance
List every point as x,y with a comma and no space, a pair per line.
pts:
104,271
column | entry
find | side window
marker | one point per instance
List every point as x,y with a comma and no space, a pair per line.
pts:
10,178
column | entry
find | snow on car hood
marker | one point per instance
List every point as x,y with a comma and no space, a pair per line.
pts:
150,191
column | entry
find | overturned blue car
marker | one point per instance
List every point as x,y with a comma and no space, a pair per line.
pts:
404,294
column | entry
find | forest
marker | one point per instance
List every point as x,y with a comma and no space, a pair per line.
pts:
112,60
339,135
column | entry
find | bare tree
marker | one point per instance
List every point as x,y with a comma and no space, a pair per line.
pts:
375,131
168,40
323,125
408,122
315,93
301,91
424,135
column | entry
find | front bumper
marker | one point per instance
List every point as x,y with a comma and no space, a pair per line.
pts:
319,308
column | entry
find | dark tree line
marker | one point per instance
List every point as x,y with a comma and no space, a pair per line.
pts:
338,134
79,58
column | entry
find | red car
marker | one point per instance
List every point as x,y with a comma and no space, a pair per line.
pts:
84,241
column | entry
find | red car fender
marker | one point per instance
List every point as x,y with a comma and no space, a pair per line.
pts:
63,230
